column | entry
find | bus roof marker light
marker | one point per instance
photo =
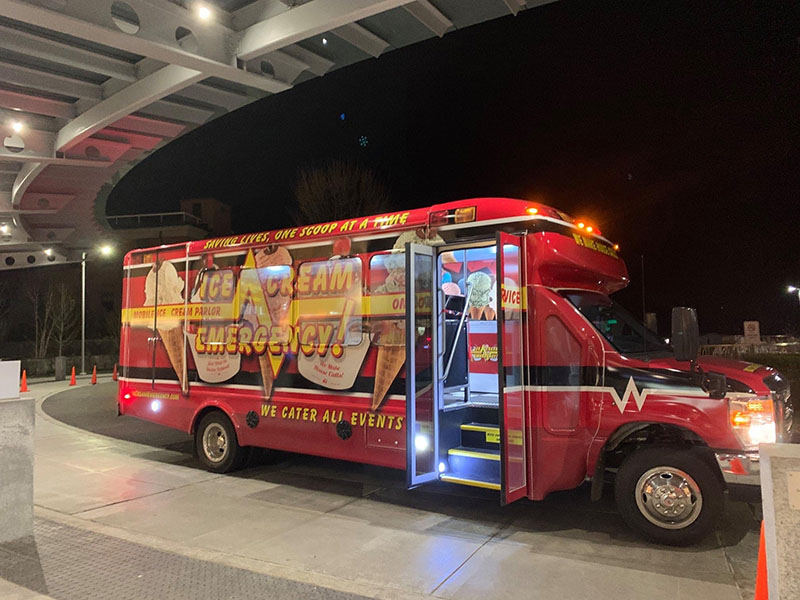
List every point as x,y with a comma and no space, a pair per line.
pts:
581,225
616,246
532,210
589,229
465,215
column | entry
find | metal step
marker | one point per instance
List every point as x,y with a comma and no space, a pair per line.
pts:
480,435
473,465
462,481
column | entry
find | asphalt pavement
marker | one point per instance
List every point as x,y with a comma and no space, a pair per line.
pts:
342,528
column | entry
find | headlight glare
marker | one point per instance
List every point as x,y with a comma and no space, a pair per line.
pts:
753,421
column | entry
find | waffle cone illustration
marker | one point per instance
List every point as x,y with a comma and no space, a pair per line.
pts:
173,342
278,305
163,286
391,357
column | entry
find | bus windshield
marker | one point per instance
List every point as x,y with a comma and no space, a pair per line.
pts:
624,331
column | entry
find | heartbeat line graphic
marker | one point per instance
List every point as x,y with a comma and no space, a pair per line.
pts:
631,391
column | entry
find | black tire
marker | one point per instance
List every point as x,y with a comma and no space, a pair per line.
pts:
694,513
228,455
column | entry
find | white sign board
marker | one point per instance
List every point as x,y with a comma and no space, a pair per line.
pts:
9,379
752,332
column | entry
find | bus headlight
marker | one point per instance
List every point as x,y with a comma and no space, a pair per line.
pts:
753,421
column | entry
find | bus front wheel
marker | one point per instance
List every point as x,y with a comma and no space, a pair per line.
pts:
216,444
668,495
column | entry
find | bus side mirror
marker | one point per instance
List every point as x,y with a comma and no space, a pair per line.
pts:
685,333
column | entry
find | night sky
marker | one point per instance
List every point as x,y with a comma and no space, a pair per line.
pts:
673,126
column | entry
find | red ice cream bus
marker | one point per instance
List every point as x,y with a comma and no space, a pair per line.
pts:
473,342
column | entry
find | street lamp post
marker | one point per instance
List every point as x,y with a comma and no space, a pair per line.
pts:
83,313
105,250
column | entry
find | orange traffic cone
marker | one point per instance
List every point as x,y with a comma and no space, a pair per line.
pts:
94,374
23,383
72,379
762,591
114,374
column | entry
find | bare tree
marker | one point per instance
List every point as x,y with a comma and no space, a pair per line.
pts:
5,309
64,316
338,190
113,322
42,306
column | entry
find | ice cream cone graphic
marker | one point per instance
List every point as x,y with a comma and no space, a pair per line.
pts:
268,264
173,342
164,286
391,338
387,366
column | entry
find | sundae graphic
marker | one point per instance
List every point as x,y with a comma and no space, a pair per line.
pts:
213,367
164,286
269,262
336,343
391,335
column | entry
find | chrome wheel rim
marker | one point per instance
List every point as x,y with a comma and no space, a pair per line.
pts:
668,497
215,443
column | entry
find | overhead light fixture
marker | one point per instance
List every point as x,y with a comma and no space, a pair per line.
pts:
48,251
106,249
17,126
203,12
4,229
324,41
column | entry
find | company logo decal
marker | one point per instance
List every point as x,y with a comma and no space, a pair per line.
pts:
631,391
483,352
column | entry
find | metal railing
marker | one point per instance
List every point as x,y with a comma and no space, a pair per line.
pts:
167,219
736,350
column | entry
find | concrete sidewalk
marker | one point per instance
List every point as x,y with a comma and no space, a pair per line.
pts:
347,530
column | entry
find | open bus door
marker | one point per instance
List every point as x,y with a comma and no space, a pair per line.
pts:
511,391
422,414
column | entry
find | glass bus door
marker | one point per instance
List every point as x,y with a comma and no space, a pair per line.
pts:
422,415
513,474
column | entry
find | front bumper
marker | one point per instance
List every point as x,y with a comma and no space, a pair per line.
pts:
739,468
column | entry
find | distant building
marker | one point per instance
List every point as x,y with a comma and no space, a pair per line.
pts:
215,215
198,219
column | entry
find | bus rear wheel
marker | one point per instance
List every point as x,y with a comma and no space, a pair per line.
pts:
670,496
216,444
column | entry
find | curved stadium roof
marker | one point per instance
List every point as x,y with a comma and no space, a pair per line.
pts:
90,87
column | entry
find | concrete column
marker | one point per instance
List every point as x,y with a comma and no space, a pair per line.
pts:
16,456
780,493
